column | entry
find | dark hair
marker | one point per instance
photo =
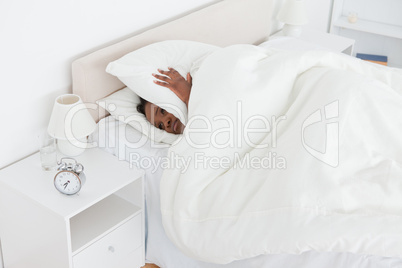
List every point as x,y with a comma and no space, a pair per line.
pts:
141,106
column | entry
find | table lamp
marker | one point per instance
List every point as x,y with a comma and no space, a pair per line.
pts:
70,123
293,14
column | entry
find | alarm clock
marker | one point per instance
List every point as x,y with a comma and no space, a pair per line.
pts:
70,177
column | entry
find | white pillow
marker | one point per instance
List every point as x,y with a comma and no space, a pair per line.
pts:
135,70
122,105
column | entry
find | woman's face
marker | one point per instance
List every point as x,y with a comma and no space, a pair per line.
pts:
161,119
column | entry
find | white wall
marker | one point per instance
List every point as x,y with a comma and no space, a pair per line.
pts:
40,39
319,14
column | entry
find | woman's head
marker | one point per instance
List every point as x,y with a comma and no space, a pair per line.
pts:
160,118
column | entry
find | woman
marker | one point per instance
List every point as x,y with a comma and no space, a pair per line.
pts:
159,117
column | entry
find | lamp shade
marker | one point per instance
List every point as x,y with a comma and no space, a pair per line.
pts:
70,119
293,12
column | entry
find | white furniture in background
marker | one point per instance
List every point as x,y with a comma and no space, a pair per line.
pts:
378,26
323,40
101,226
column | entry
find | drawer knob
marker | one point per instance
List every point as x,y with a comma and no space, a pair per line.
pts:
111,249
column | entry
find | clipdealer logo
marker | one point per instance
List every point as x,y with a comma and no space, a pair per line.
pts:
202,161
330,156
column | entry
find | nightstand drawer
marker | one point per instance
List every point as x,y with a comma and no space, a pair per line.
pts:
132,260
112,248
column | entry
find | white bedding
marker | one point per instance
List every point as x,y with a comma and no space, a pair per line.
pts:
112,135
336,184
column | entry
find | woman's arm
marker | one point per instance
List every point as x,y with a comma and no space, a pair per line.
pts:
176,83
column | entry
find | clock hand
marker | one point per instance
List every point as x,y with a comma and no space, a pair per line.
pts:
65,185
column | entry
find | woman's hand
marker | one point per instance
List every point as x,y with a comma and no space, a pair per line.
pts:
175,82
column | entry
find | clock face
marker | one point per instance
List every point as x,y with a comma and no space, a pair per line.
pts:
67,182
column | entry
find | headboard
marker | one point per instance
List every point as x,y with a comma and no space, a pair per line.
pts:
225,23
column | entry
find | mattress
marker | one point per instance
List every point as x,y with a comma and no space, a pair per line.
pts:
120,140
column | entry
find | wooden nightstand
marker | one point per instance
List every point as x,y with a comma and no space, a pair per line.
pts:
328,41
101,226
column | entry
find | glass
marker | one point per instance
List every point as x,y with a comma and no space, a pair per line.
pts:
48,154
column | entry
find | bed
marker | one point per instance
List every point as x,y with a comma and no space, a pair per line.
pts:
245,22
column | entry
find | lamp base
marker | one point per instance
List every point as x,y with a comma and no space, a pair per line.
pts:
71,148
292,30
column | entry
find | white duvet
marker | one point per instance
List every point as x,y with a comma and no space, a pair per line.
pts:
286,152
